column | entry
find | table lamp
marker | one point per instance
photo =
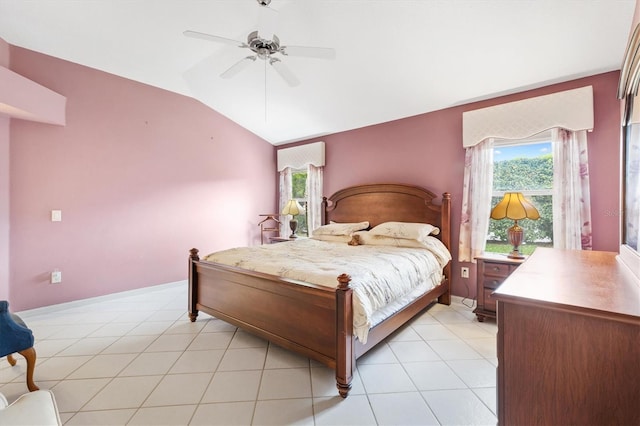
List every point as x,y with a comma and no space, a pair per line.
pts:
515,207
293,208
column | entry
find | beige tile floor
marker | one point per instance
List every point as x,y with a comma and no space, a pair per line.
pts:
135,359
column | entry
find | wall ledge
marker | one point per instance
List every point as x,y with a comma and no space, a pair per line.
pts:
27,100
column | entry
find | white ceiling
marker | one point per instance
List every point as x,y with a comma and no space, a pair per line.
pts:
395,58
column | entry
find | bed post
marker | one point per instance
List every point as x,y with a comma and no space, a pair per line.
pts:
193,284
445,224
345,350
323,211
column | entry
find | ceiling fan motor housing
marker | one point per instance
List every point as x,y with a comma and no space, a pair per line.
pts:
263,48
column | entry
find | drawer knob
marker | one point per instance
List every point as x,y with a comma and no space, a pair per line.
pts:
495,268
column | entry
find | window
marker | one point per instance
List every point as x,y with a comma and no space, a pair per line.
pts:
301,175
298,192
523,166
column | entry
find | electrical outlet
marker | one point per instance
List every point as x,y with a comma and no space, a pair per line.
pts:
56,277
56,215
464,272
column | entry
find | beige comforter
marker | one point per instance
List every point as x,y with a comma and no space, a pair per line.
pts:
380,275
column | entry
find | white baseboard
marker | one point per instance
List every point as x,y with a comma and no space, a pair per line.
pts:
82,302
112,296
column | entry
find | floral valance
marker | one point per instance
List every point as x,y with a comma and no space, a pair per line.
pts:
570,110
298,157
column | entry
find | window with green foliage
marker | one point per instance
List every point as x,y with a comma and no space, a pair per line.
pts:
524,166
298,191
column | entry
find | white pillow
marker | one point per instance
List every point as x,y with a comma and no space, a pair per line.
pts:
405,230
432,244
365,238
332,238
340,228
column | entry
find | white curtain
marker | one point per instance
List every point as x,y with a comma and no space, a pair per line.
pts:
632,199
314,193
476,200
285,195
632,187
571,200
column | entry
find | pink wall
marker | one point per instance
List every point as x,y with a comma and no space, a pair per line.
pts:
141,176
426,150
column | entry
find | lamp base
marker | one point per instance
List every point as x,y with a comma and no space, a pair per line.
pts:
515,255
515,235
293,224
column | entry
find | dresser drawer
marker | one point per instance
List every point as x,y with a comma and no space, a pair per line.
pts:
492,283
496,269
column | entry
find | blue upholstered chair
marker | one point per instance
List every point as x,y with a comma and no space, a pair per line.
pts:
16,337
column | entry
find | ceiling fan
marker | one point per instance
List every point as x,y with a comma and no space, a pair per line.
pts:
265,45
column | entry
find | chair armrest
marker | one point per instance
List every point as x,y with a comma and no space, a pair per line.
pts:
33,408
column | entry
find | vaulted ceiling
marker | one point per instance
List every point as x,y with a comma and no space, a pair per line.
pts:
394,58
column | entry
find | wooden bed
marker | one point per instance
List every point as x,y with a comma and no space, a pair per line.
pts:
309,319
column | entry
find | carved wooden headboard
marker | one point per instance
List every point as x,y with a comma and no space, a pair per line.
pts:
386,202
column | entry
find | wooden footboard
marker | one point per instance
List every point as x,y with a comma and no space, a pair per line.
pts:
312,320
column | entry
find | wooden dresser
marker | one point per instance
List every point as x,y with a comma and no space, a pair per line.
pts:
493,269
569,341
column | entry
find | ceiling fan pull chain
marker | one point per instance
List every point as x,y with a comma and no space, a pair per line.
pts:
265,91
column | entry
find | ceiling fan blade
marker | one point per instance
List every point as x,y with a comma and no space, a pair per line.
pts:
238,66
209,37
267,20
309,52
284,72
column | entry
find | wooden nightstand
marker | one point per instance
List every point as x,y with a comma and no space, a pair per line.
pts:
492,270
